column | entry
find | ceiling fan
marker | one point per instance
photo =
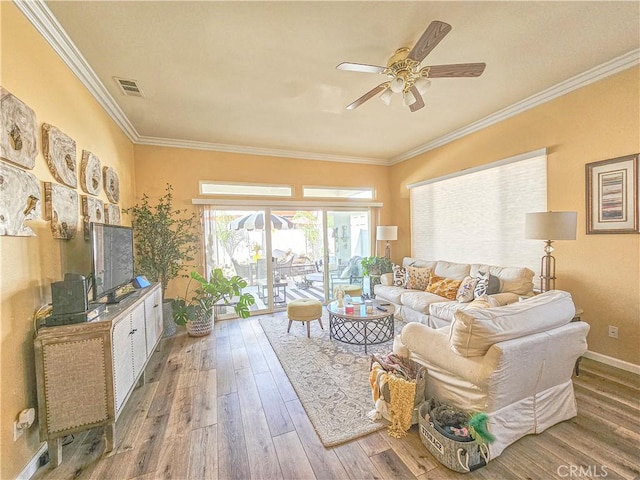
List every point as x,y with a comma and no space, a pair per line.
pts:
404,72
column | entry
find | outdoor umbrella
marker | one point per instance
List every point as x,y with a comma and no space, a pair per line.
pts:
255,221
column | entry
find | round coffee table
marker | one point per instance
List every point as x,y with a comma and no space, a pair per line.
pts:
360,327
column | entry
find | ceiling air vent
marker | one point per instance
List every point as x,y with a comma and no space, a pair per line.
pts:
129,87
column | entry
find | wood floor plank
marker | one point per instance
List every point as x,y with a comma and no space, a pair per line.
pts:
147,454
374,443
285,388
225,378
610,374
130,422
205,402
263,461
275,409
174,457
240,358
166,389
235,335
180,415
256,358
325,462
293,460
602,387
208,357
233,461
116,466
82,460
391,466
203,454
412,452
248,335
356,462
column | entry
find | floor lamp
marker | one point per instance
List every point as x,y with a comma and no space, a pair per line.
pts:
550,226
386,233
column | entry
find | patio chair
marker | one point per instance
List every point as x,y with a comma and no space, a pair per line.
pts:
243,270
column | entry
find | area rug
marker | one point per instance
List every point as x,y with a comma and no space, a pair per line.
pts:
331,378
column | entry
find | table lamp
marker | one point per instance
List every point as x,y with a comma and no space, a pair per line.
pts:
549,226
387,233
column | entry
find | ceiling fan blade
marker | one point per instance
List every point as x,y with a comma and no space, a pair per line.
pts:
360,67
370,94
459,70
431,37
419,103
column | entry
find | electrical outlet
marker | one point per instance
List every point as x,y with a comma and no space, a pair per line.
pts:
613,331
17,431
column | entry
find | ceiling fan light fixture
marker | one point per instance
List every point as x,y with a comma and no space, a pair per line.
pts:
409,99
422,84
386,96
397,84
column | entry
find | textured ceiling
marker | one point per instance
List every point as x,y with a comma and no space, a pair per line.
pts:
262,75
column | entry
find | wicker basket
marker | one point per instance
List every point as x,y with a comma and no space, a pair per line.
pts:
201,326
459,456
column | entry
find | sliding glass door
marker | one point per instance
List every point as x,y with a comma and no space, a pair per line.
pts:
285,253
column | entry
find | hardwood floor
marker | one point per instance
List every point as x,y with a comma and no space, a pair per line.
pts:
221,407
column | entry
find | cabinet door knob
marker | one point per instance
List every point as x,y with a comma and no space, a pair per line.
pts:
133,331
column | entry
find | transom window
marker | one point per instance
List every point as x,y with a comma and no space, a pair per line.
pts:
337,192
245,189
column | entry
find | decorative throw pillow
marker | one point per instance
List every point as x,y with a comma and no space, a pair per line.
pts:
487,284
465,290
399,276
444,287
418,278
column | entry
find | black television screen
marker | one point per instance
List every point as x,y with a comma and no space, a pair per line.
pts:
112,259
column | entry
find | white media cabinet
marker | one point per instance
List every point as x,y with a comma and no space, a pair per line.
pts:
85,372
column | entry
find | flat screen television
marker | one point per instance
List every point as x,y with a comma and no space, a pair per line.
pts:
111,260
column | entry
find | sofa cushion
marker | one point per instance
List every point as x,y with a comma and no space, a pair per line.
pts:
446,310
417,262
399,276
457,271
420,301
444,287
465,290
474,331
486,284
518,280
390,293
418,278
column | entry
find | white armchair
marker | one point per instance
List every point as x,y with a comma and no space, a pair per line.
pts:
522,382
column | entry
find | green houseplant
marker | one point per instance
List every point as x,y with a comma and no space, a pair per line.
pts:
166,240
373,267
197,310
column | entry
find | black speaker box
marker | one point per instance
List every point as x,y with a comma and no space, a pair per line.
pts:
69,296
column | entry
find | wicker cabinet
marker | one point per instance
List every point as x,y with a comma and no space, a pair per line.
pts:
85,372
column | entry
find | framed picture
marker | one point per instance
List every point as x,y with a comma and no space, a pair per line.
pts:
612,195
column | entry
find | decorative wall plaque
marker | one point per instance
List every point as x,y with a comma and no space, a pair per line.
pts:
18,132
112,214
90,173
19,201
61,208
59,151
111,184
93,211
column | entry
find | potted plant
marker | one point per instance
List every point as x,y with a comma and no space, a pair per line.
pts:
166,240
373,267
197,311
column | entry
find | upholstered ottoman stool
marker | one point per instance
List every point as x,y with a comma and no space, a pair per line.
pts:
352,290
304,310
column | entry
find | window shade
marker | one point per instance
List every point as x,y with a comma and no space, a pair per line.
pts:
478,217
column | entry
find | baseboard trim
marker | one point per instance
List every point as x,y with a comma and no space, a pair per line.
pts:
614,362
32,467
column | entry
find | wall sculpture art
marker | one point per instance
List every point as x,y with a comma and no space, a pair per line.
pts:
112,214
111,184
93,211
19,201
59,151
18,132
90,173
61,208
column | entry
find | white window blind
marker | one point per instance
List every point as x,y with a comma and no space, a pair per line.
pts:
477,216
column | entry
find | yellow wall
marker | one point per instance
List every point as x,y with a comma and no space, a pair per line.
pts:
34,73
184,168
596,122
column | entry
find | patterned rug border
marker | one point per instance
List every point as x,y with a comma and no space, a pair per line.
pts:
319,339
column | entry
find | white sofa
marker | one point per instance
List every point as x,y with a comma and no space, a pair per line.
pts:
435,311
512,362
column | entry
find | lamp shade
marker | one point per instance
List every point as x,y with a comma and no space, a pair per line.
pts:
386,232
550,225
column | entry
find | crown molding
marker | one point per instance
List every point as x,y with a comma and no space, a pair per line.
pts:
46,23
604,70
270,152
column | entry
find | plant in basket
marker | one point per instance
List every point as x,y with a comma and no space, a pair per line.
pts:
197,309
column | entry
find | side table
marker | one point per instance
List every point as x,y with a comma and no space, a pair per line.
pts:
577,318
